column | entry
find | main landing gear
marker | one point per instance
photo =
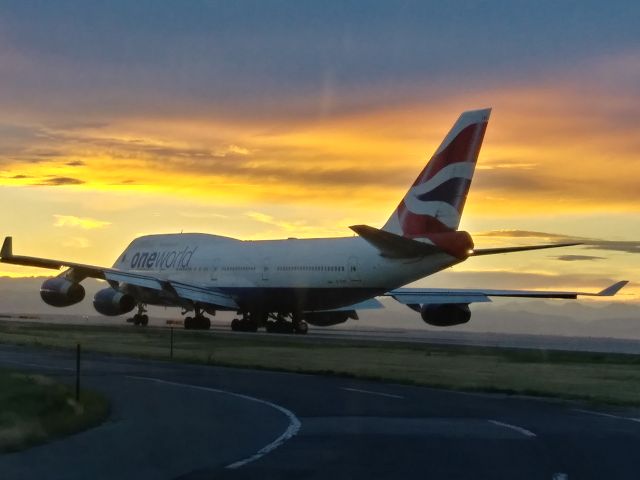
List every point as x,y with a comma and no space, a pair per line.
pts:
281,325
141,318
249,322
198,321
273,323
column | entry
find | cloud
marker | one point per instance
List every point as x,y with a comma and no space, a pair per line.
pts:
576,258
630,246
519,234
203,215
80,222
283,228
58,181
615,246
322,120
281,224
76,242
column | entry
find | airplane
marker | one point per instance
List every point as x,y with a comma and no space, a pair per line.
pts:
285,285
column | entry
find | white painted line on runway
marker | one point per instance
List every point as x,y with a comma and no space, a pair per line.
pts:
608,415
369,392
516,428
37,365
292,429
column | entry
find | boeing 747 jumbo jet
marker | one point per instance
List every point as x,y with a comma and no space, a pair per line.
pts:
284,285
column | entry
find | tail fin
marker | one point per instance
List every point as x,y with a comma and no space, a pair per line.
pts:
435,201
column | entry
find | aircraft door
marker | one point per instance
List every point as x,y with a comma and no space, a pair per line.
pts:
354,274
265,269
215,269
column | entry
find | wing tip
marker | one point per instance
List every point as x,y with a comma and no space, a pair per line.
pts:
7,248
611,290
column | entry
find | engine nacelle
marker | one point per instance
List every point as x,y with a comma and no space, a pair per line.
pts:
326,319
110,302
445,314
60,292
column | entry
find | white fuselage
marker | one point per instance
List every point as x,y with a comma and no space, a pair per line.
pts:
281,275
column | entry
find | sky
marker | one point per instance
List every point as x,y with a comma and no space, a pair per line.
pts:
258,119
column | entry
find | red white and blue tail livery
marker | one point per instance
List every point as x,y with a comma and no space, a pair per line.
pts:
435,201
284,285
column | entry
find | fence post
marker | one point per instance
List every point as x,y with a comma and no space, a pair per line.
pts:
78,372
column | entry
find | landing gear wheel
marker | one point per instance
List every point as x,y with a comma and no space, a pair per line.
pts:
301,328
251,326
198,321
243,325
280,326
203,323
140,318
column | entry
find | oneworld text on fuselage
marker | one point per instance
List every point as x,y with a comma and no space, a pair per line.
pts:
163,260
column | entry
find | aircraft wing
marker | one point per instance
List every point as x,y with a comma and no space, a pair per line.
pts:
370,304
494,251
78,272
421,296
81,271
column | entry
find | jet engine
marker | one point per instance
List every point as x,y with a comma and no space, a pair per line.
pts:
326,319
445,314
61,292
110,302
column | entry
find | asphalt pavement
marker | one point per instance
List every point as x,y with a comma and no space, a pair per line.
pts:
173,420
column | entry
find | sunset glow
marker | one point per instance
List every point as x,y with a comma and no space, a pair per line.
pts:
89,162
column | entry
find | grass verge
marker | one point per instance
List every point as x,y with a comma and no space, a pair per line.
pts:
35,409
594,377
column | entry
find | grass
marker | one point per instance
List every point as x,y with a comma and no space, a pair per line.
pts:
35,409
595,377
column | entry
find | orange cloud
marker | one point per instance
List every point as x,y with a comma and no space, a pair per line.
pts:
545,146
80,222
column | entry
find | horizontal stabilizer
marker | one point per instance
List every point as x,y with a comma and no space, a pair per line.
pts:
394,246
494,251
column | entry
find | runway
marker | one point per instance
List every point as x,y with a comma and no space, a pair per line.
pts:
173,420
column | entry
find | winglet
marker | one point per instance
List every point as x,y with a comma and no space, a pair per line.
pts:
613,289
7,248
